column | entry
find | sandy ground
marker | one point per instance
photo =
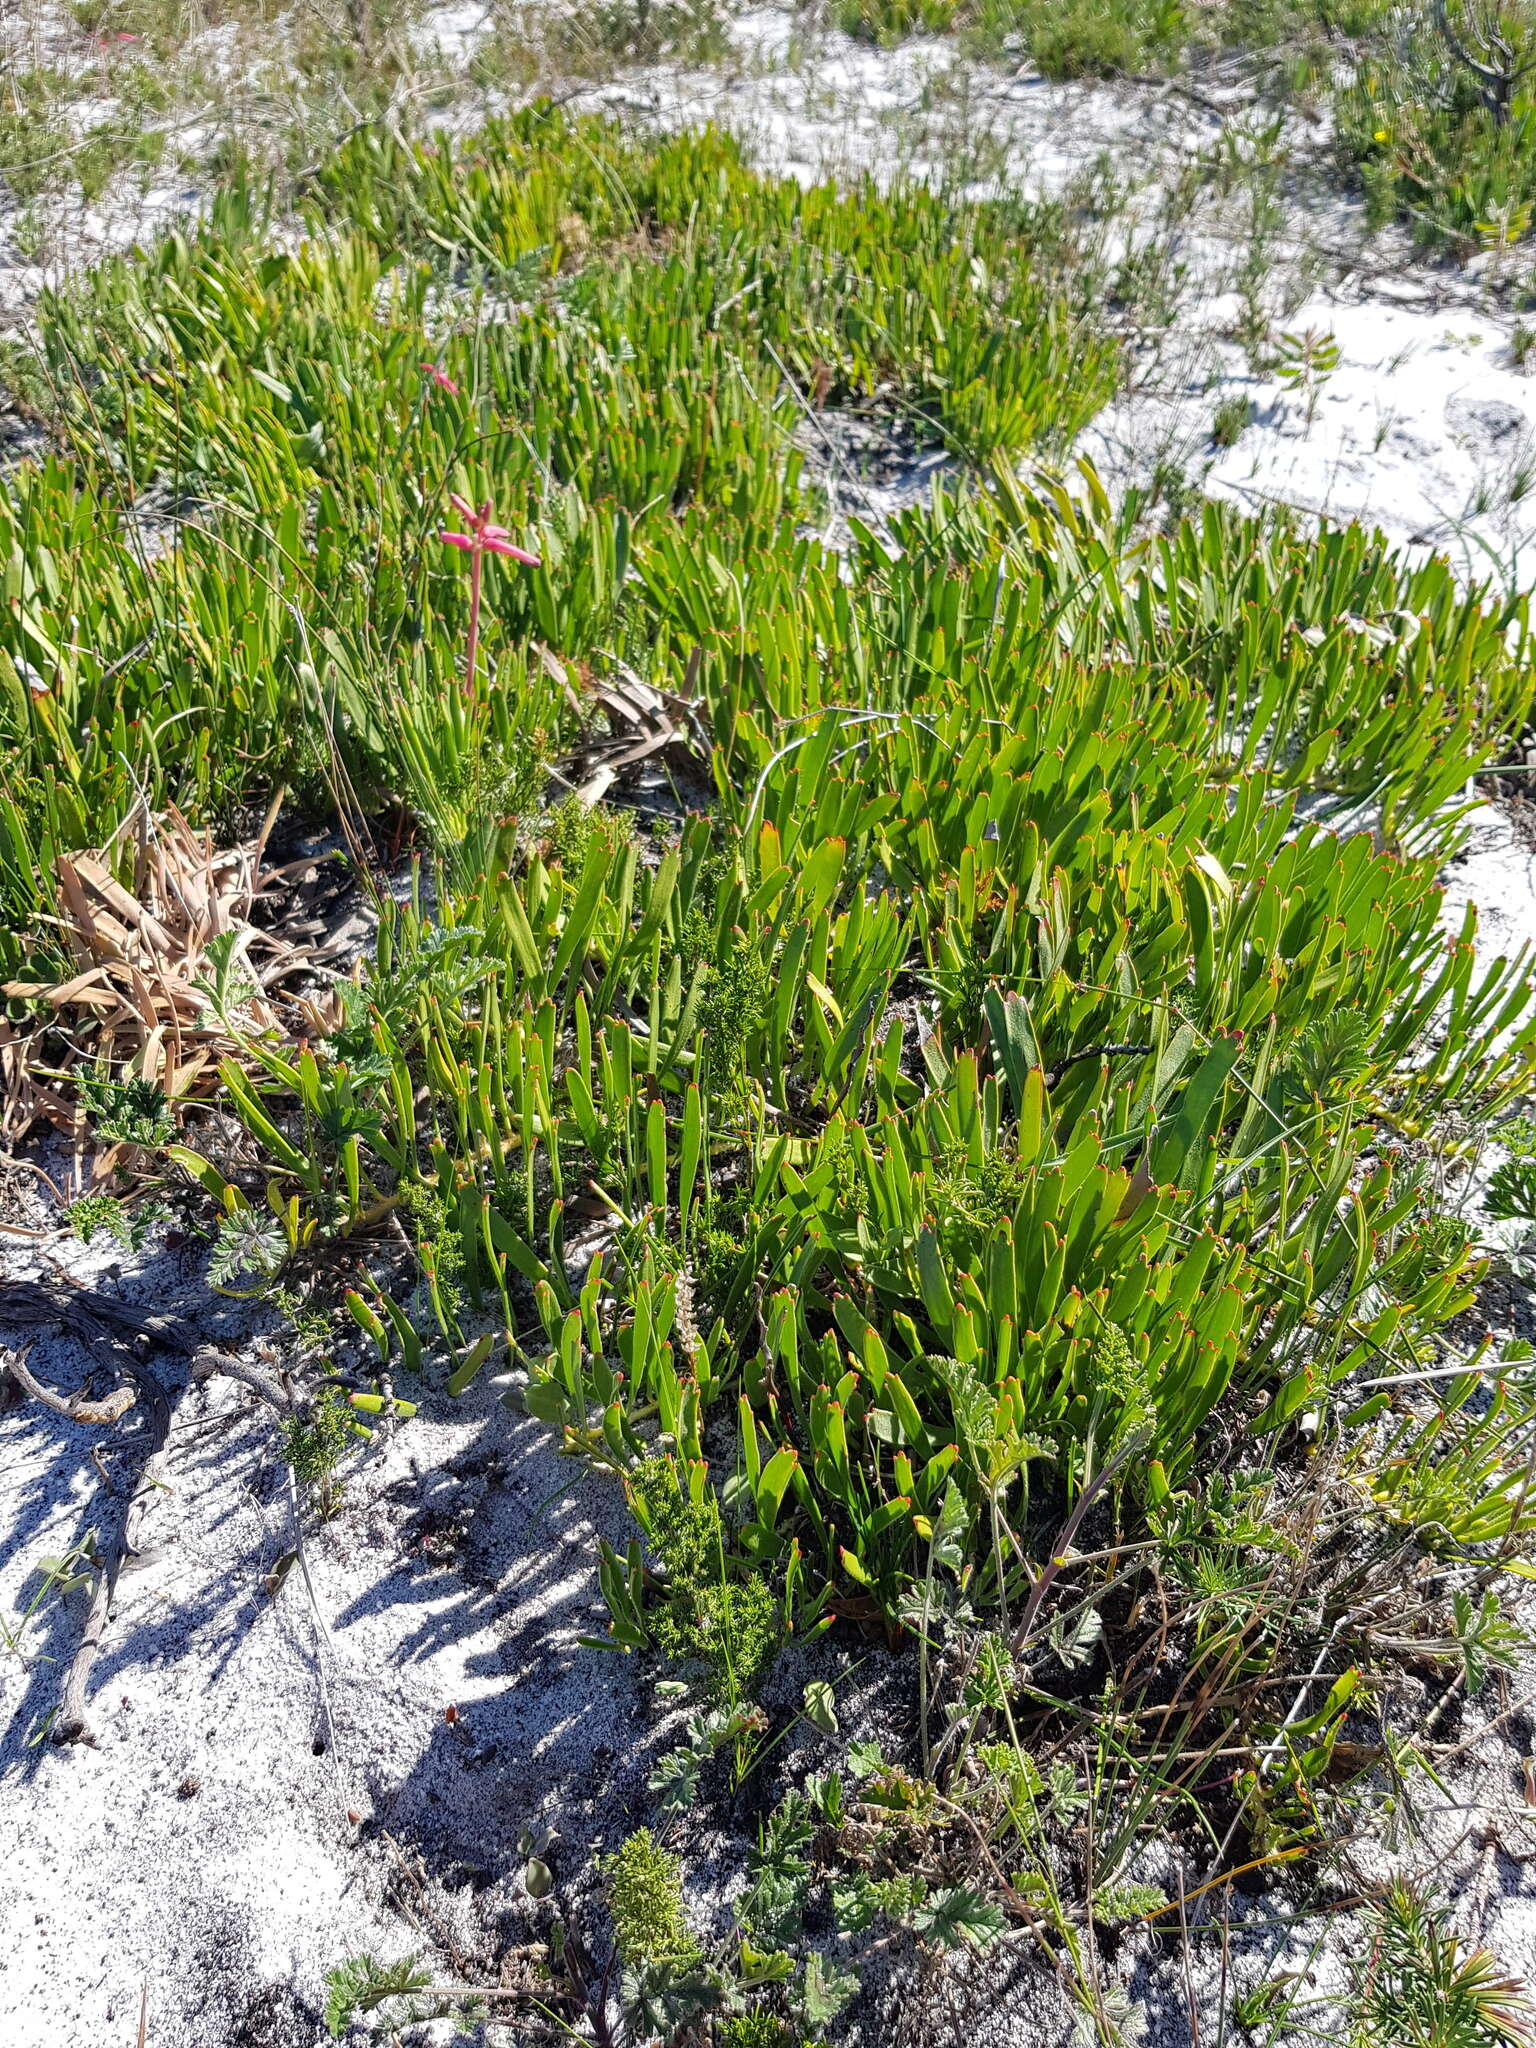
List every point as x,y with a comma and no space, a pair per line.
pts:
202,1848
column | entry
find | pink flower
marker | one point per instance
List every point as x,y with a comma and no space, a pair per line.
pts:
483,535
440,378
493,541
483,538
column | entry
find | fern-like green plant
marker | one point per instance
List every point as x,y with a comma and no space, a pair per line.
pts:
133,1112
386,1997
1423,1987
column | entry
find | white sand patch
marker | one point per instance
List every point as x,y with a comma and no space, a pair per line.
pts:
817,104
1426,430
454,32
201,1849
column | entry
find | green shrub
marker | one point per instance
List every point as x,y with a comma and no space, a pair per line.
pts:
888,22
730,1624
1426,1989
1084,40
1429,145
315,1444
758,2029
1232,417
645,1898
985,1117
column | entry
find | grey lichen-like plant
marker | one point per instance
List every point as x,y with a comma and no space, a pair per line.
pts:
250,1243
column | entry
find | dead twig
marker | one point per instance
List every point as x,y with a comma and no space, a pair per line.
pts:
116,1335
128,1549
208,1362
1497,71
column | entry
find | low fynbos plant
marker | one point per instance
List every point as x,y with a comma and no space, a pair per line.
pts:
1304,362
250,1246
709,1612
1500,234
386,1998
644,1887
573,828
1510,1196
758,2029
132,1112
889,22
129,1225
1421,1986
1116,1904
315,1444
1231,418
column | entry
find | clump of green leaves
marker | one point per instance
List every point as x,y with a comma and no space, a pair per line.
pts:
737,991
573,828
710,1614
1424,1988
314,1444
132,1112
910,1310
1082,40
1230,421
1446,1472
888,22
756,2029
1436,118
973,1198
644,1886
1115,1904
773,1904
1218,1543
101,1211
1511,1192
1113,1386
